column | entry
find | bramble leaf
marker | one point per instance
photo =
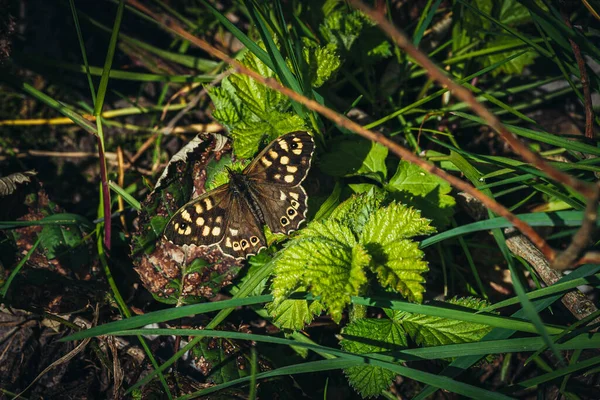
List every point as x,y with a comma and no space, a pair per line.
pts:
322,61
323,259
371,336
352,157
424,191
252,112
397,261
294,314
330,258
429,330
356,211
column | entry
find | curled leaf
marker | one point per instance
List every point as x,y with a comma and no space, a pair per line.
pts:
8,184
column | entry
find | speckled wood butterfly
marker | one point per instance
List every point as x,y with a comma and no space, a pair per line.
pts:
266,192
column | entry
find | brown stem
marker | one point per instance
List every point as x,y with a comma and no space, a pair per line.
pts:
585,83
465,95
341,120
582,238
105,196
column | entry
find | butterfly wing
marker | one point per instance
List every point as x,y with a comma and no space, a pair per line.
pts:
217,218
275,176
243,235
285,161
202,221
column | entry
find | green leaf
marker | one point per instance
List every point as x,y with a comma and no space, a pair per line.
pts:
356,211
323,259
222,360
248,134
371,336
420,189
513,67
65,243
395,222
398,262
327,259
294,314
252,112
322,61
435,331
342,28
353,157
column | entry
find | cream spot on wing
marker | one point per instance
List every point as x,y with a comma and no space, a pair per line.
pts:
199,208
283,144
297,151
188,230
297,139
236,245
233,232
199,221
291,213
289,178
277,176
295,204
273,154
294,195
208,203
228,242
291,169
266,162
218,220
206,230
186,215
216,231
285,160
282,195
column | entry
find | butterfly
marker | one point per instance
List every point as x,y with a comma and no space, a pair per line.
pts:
267,192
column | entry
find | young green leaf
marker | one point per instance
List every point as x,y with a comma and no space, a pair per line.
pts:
422,190
251,111
327,259
294,314
371,336
323,259
353,157
322,61
435,331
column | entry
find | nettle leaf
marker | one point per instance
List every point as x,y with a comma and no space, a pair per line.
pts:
356,211
426,330
371,336
322,258
429,193
248,134
354,34
514,66
228,110
252,112
322,61
342,28
397,261
294,314
327,259
353,157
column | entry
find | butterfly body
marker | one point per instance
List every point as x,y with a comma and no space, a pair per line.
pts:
267,192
